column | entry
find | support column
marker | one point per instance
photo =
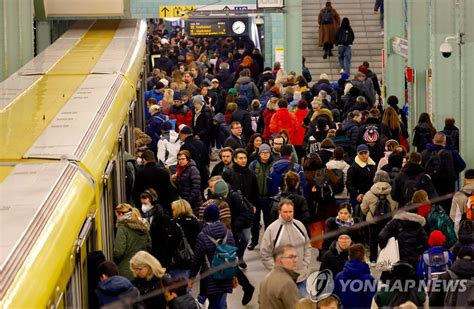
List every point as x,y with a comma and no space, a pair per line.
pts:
394,73
293,36
43,35
418,54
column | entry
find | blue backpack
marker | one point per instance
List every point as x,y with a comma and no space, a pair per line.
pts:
246,90
225,258
435,262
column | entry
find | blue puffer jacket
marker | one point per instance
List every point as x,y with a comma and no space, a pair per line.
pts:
275,178
355,270
205,247
115,288
351,127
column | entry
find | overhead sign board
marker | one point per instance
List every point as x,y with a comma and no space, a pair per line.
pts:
270,4
203,27
175,11
400,46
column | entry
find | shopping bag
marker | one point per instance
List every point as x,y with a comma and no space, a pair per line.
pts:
388,255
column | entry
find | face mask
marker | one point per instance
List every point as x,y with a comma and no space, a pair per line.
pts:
139,161
146,208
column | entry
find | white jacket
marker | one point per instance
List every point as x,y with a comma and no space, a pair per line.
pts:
168,148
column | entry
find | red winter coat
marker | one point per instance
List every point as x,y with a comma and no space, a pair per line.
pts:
182,114
267,116
284,120
300,130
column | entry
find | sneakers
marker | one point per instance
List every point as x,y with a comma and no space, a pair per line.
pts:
341,71
251,246
325,56
382,33
372,264
248,294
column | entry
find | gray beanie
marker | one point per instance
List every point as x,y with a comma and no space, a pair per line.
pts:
221,188
381,176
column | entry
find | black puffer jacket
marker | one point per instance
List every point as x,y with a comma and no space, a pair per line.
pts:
411,171
334,259
202,124
360,177
407,228
243,179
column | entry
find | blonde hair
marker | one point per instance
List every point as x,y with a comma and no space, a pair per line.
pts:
168,95
145,259
272,105
181,208
126,208
317,101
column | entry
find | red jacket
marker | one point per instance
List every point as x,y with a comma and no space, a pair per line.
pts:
284,120
267,116
182,114
300,130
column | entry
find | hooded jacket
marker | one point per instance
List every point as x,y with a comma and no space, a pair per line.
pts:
245,80
278,289
354,270
371,199
283,232
242,115
168,148
132,236
284,120
407,228
182,114
115,288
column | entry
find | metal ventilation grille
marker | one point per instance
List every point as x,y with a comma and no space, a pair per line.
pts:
99,117
31,234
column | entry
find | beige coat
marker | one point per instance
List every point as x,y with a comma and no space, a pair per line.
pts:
278,289
370,200
458,205
327,32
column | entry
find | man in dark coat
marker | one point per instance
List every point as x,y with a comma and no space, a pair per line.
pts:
202,120
155,177
360,175
236,138
220,93
450,163
242,115
410,179
225,77
199,153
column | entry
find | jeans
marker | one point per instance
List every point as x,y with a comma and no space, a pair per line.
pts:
345,55
217,301
241,241
302,288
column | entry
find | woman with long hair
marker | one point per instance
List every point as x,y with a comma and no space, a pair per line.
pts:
177,78
149,276
132,236
397,129
424,132
268,112
252,146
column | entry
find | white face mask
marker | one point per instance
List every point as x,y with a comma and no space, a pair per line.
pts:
146,208
139,161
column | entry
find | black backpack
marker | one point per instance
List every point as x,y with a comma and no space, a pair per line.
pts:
327,17
248,214
413,184
323,185
439,166
383,206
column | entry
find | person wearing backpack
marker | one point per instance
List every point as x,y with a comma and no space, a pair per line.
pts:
436,260
462,269
443,164
213,287
153,127
168,147
462,206
344,39
242,115
377,202
328,21
366,87
411,178
424,132
246,87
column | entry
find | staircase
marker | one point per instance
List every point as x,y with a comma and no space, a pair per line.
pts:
367,45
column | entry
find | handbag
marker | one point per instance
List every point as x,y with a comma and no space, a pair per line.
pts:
388,255
184,254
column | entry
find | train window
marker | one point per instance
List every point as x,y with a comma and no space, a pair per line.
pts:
140,104
131,126
73,289
107,206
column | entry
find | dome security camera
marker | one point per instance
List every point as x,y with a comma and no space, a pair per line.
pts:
446,49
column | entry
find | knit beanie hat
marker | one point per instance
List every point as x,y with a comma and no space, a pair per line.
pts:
381,176
211,213
264,147
221,188
437,238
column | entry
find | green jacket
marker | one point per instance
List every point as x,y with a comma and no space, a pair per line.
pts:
131,237
261,170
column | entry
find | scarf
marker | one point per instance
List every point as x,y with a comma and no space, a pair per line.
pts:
181,169
347,223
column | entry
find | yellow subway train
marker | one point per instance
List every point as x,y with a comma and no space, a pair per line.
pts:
66,121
